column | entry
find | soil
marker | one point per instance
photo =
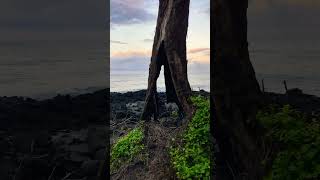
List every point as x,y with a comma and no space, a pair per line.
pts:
126,112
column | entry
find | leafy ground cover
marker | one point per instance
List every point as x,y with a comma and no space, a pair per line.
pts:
126,148
299,140
191,157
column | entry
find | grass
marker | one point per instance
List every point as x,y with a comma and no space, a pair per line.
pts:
126,148
191,159
299,142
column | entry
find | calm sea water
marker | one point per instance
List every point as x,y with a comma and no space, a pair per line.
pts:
300,69
123,80
41,70
295,60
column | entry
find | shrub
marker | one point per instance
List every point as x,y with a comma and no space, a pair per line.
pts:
191,158
127,147
299,139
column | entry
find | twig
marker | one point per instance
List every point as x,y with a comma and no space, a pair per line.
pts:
262,83
20,165
51,175
39,157
32,146
231,170
285,85
123,122
68,175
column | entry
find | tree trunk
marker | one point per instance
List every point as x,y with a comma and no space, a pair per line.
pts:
235,90
169,50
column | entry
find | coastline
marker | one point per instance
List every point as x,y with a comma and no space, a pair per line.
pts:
69,133
76,111
63,135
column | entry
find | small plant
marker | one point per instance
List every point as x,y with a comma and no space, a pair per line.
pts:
191,159
174,114
126,148
299,139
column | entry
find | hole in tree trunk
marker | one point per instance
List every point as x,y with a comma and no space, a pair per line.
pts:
171,99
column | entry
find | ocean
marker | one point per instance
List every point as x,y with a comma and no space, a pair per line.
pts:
289,56
122,80
42,69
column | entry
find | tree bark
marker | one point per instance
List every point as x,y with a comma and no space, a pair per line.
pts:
234,89
169,50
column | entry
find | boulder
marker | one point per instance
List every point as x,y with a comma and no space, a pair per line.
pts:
171,107
7,167
97,138
100,154
90,167
136,108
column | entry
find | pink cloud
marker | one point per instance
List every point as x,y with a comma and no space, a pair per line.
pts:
198,50
200,55
127,54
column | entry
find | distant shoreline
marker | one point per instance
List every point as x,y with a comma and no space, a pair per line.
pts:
88,92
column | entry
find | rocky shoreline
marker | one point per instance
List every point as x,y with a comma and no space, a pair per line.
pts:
305,103
60,138
66,137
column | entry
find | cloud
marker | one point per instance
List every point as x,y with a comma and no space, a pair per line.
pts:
262,5
288,11
288,15
306,3
198,68
202,59
125,12
118,42
198,50
200,55
54,13
138,63
131,3
133,63
148,40
129,54
200,7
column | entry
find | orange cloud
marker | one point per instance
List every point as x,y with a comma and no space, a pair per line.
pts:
126,54
199,58
201,55
198,50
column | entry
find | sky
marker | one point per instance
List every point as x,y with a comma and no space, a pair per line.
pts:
284,40
284,43
52,14
133,24
32,20
53,46
284,25
283,36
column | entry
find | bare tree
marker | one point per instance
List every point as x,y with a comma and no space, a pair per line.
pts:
169,51
235,90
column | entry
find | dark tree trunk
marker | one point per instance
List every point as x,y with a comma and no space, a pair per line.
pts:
169,50
235,90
